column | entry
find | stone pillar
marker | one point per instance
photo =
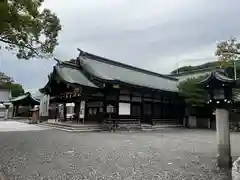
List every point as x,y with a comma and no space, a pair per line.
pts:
223,138
6,114
192,121
44,108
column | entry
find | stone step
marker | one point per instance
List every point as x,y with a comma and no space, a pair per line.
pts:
73,128
105,127
159,127
74,125
167,125
123,127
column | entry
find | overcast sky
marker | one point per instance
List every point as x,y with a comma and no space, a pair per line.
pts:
158,35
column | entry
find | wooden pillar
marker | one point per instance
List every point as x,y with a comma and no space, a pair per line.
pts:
64,112
77,110
117,104
162,108
16,110
13,112
104,105
142,109
152,110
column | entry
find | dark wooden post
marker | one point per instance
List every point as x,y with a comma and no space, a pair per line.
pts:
142,109
16,112
152,110
64,112
13,112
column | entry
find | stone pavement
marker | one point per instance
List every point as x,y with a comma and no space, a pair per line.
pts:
10,125
58,155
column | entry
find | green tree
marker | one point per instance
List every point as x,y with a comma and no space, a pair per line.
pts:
193,93
228,53
5,79
7,82
205,66
16,89
27,29
228,50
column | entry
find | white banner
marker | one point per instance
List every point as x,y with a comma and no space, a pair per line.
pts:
61,111
82,110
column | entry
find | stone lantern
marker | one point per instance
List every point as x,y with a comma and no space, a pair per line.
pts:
110,111
219,88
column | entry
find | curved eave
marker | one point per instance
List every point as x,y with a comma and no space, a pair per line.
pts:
45,88
217,76
64,80
25,98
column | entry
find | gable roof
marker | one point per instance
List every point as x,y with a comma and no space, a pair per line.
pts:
25,99
71,73
109,70
182,76
217,76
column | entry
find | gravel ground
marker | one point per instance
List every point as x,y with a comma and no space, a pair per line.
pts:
57,155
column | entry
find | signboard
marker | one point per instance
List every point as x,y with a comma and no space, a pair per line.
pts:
124,109
82,110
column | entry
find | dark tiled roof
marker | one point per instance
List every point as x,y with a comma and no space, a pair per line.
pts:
114,71
72,74
25,99
218,76
186,73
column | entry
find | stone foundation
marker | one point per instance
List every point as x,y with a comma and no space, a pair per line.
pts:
225,161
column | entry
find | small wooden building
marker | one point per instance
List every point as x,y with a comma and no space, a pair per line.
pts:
26,100
94,82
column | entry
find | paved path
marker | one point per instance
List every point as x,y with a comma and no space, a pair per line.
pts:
6,126
166,155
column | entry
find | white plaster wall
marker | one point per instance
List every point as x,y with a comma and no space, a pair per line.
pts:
4,95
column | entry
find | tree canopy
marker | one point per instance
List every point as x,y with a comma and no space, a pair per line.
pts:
7,82
193,93
27,29
227,52
16,89
182,69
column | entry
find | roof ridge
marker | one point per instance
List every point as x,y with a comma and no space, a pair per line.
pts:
123,65
69,64
193,71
